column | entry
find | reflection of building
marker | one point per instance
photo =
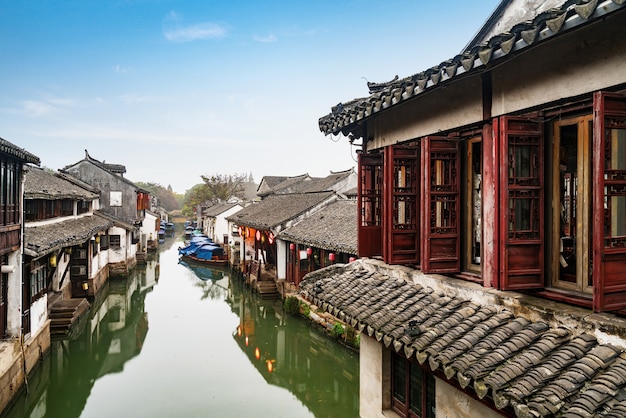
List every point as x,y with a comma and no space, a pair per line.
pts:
24,324
113,334
288,354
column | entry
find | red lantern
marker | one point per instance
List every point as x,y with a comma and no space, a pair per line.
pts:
352,259
258,235
309,251
292,246
331,257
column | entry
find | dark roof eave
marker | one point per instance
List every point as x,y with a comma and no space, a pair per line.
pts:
348,118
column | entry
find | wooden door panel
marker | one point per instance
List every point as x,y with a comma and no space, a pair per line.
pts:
401,189
609,208
370,189
521,203
441,218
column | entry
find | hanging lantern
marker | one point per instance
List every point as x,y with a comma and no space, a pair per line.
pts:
352,259
331,257
53,260
270,238
292,246
309,251
258,235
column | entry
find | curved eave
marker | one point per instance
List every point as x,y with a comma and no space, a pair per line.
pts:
349,118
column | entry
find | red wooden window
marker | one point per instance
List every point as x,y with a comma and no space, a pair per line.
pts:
441,217
412,389
521,203
609,208
369,232
401,244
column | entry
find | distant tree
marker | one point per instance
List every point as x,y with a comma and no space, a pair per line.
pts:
214,188
167,198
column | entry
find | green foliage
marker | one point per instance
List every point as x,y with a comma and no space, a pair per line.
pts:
305,309
292,305
215,188
337,330
352,337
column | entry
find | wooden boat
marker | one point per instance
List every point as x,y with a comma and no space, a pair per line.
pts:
202,250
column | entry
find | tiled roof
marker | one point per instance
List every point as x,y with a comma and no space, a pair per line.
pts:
278,209
533,367
296,184
346,117
331,228
41,184
17,152
329,182
218,209
44,239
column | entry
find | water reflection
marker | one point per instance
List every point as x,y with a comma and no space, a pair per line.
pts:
288,353
210,348
109,336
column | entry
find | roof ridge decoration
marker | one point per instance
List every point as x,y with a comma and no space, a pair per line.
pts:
545,25
533,367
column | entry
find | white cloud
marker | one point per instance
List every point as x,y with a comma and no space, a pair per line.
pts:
119,69
176,31
268,38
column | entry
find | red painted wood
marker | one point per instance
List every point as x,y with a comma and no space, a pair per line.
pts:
521,235
441,229
401,242
609,253
490,261
370,201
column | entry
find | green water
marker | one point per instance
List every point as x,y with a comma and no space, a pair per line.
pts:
171,341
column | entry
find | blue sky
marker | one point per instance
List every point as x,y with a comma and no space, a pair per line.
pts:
174,89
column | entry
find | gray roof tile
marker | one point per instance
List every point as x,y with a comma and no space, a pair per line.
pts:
534,368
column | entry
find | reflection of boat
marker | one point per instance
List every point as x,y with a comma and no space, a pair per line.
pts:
169,229
202,250
203,273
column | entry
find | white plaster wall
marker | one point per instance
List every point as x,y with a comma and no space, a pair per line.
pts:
370,378
14,296
571,65
452,403
458,104
520,11
222,225
117,255
281,259
38,314
62,263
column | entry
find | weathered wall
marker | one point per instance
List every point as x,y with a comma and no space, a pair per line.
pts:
567,66
371,378
452,403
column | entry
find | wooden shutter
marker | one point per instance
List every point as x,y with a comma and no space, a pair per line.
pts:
441,216
521,203
401,188
609,201
370,189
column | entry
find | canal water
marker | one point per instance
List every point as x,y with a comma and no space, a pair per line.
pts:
174,340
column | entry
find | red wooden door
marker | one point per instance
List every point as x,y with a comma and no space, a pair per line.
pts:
609,201
521,203
441,218
401,244
370,189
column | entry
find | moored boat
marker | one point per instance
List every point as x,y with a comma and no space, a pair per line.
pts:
201,249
